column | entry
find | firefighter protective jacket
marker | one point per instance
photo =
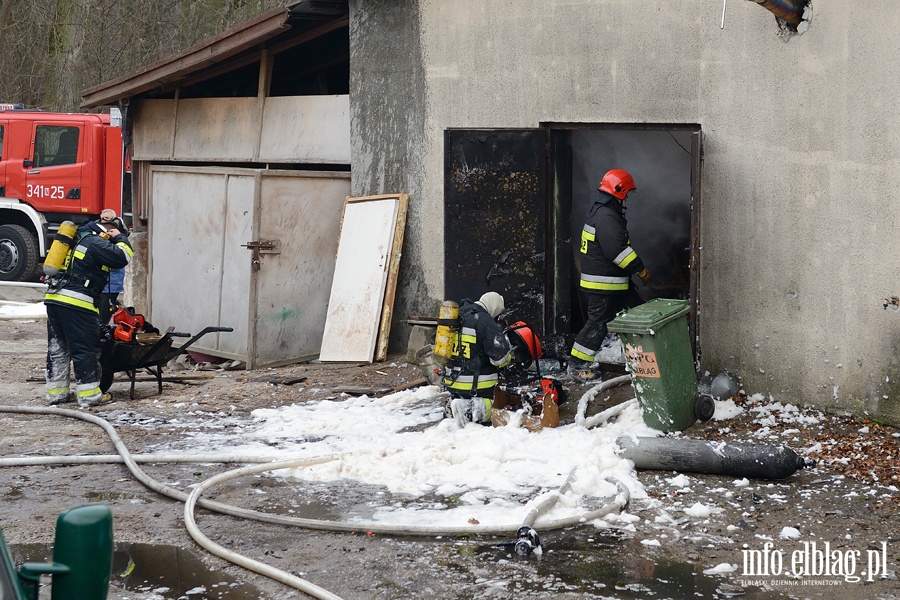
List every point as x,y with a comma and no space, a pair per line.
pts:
482,350
607,259
86,271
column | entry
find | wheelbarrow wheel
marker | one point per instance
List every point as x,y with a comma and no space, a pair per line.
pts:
106,380
704,408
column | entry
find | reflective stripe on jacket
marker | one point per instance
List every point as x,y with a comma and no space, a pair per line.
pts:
607,259
482,348
464,383
86,271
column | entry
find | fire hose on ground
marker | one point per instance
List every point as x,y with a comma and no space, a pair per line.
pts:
527,539
607,414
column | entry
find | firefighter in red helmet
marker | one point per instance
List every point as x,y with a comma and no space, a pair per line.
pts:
607,264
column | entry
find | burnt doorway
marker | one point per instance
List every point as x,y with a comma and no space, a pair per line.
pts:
663,217
495,218
515,200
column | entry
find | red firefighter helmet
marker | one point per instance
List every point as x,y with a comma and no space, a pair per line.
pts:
525,344
618,183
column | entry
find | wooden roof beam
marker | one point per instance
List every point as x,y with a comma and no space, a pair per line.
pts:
193,59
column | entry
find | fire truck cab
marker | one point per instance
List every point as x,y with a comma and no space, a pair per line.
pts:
54,167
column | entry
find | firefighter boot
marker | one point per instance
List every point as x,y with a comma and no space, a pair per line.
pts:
471,410
461,411
582,371
95,401
61,398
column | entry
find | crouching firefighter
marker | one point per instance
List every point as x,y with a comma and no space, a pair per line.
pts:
73,321
473,370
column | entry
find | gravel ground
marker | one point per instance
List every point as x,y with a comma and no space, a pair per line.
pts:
659,547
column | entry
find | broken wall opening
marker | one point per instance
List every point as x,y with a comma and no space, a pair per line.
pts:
495,222
792,16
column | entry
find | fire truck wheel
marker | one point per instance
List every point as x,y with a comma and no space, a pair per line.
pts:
19,259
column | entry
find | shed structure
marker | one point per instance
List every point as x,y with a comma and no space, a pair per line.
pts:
241,158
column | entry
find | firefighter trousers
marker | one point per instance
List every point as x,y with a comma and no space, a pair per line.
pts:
73,334
601,309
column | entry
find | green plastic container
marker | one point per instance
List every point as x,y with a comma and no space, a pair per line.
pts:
659,359
82,556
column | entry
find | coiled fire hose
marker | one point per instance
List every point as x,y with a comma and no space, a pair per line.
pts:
193,499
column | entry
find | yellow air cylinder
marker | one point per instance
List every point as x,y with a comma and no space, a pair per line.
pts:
64,240
447,334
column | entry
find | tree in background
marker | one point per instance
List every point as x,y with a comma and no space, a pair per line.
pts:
53,49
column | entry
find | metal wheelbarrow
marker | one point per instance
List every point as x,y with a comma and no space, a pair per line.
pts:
151,356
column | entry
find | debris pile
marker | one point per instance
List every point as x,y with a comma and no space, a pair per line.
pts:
860,449
857,448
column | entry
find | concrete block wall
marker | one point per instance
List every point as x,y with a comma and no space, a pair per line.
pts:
798,202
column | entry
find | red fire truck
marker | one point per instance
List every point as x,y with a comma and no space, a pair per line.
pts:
54,167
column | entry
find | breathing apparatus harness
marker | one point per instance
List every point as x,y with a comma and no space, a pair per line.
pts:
524,344
447,344
66,274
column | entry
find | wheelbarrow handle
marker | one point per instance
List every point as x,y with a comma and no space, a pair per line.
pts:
188,343
161,342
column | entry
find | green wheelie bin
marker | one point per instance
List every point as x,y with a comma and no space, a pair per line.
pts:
659,359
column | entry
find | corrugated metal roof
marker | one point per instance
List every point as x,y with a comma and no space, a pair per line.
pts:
278,30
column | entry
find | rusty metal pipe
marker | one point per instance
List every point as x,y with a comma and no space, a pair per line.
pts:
790,11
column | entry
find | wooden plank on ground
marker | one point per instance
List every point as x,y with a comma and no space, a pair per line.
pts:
361,390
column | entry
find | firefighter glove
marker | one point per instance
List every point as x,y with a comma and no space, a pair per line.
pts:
644,274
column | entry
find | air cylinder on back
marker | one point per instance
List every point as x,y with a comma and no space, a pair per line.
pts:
445,339
56,256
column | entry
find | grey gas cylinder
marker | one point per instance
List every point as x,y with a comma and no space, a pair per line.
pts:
757,461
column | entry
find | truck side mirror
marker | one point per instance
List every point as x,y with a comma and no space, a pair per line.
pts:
82,555
27,163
